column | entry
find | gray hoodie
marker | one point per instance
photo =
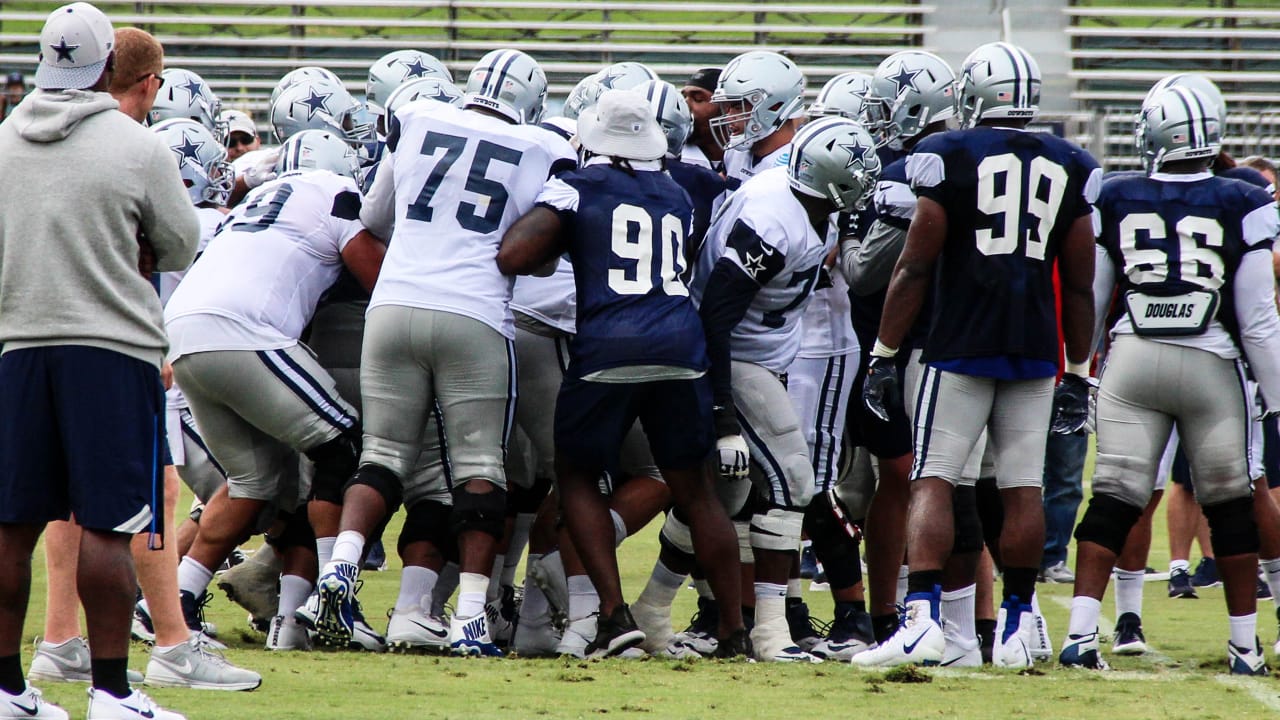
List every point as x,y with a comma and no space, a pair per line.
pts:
80,184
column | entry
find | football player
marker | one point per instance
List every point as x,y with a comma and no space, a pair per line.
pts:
991,352
439,326
1190,253
759,94
756,274
184,94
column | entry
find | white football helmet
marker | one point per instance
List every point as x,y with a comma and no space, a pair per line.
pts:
909,91
758,91
672,113
319,150
202,160
397,68
297,75
509,83
320,104
835,158
583,95
997,81
618,76
1195,81
1177,123
187,95
843,95
430,88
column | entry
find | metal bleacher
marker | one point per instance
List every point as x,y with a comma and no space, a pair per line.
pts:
243,46
1119,48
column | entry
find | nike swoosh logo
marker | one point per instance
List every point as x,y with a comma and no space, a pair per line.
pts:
438,633
140,711
909,647
28,710
768,251
185,667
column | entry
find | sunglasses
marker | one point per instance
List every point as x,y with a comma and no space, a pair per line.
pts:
239,138
151,75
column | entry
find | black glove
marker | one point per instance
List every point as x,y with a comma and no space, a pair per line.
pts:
880,389
1070,405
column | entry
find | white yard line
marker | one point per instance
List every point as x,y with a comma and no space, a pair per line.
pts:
1261,690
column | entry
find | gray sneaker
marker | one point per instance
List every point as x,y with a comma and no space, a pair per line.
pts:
195,665
1057,573
66,662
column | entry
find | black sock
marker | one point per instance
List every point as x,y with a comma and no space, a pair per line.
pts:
858,606
884,626
923,581
1020,583
986,632
11,680
111,675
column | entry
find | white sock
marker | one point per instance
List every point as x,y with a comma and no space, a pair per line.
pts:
619,528
535,601
416,584
348,547
324,551
1244,630
583,600
294,591
903,571
958,612
471,587
1084,615
793,588
703,587
1271,573
495,578
444,588
193,577
1129,591
771,603
515,549
1176,565
662,588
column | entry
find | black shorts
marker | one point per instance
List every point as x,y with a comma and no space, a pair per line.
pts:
882,439
81,432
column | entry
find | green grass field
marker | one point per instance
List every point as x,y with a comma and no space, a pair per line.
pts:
1184,678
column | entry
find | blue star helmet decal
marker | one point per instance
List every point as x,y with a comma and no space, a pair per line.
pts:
905,80
64,51
414,69
315,102
856,151
194,87
188,150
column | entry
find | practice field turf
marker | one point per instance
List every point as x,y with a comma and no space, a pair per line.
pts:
1184,678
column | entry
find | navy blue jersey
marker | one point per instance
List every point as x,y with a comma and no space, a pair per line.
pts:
1010,197
625,236
704,185
1168,235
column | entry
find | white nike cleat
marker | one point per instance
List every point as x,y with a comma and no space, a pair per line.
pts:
194,665
416,631
470,636
1041,645
536,637
917,641
286,634
772,643
577,635
27,705
1015,624
137,706
960,653
655,622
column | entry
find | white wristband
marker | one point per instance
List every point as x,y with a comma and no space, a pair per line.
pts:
882,350
1080,369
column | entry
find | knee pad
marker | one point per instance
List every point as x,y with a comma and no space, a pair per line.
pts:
777,529
743,531
968,524
428,521
675,534
835,539
990,510
381,480
527,500
1232,527
1108,521
297,533
335,461
485,513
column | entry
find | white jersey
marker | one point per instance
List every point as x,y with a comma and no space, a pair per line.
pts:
765,231
552,300
253,157
740,164
452,181
257,284
826,328
210,219
693,155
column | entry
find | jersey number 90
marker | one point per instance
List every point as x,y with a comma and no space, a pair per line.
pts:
634,240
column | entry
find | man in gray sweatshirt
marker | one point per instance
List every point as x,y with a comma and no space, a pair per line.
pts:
86,195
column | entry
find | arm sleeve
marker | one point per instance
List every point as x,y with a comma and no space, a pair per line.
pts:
169,221
378,210
344,216
1254,294
725,300
867,265
1104,284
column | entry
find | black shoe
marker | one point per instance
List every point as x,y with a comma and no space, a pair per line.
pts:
803,632
808,563
1206,574
1180,585
738,644
614,634
706,619
1129,639
193,609
884,626
986,639
376,559
1264,590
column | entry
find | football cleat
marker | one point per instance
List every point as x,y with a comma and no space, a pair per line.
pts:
1206,574
917,641
29,704
1082,651
136,706
737,645
577,636
141,629
194,665
335,612
700,636
416,631
655,622
849,634
1264,590
615,634
1015,624
287,634
1040,645
1129,639
499,625
193,614
470,636
535,637
961,653
363,636
801,625
772,643
548,574
1247,661
1180,585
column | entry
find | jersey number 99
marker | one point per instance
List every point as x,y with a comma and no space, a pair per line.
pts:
1038,193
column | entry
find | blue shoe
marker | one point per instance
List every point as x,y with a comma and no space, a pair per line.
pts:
808,563
335,614
376,559
1082,651
1129,638
1206,574
1180,585
1247,661
470,636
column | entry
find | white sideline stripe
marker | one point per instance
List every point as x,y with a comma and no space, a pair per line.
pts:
1155,655
1262,691
1070,674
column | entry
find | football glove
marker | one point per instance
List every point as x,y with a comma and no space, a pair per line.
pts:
734,458
880,389
263,172
1070,405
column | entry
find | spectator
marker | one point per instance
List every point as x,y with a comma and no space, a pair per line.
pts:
1266,168
243,135
83,402
15,88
